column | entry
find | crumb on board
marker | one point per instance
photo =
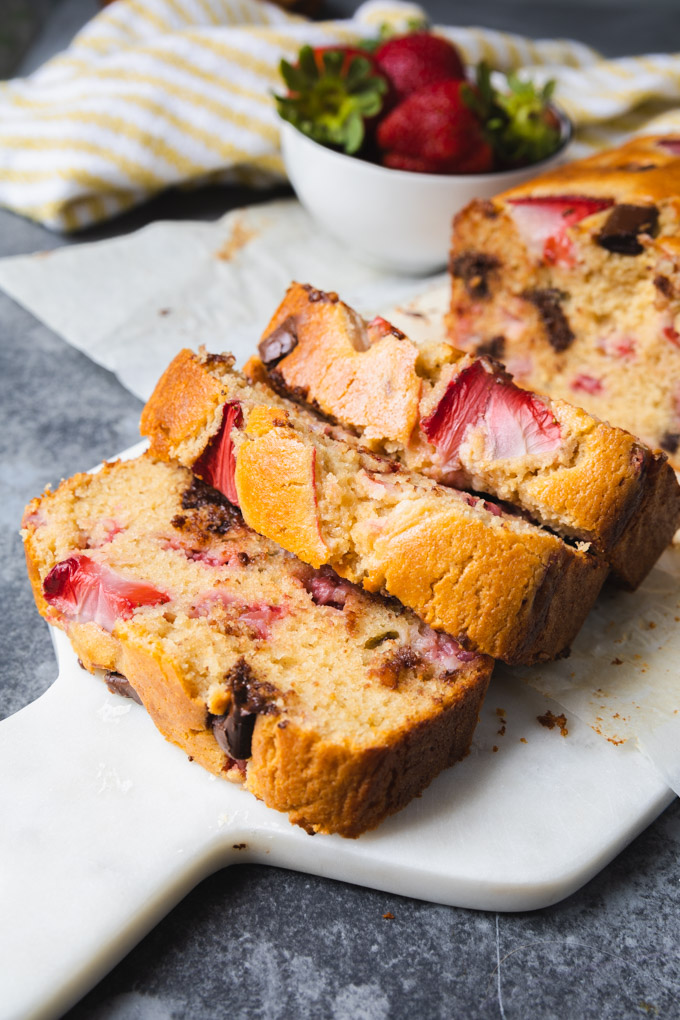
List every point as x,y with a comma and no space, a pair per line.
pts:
617,662
494,748
523,740
239,846
389,916
550,721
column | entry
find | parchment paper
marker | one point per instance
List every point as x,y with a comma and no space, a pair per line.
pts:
131,303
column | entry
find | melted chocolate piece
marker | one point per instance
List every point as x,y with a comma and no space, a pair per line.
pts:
474,269
663,285
548,302
623,225
119,684
495,347
216,513
670,442
218,360
389,671
320,295
279,343
488,210
249,698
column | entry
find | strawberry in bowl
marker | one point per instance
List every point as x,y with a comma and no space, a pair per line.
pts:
384,145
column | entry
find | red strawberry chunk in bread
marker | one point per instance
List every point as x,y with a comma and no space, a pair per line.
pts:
515,422
583,383
671,144
542,223
327,589
440,649
217,463
88,592
260,618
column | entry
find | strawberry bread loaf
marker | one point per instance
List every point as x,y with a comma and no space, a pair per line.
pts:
573,281
461,420
326,702
494,581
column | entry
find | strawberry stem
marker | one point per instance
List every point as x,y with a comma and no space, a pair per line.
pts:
331,103
519,124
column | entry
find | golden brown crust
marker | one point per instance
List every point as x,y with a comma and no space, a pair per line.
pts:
370,379
291,768
275,481
641,171
652,525
183,401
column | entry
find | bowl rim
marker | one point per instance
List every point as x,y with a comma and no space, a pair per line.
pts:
566,131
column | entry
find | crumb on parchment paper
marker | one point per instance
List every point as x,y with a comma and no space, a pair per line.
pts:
550,721
238,238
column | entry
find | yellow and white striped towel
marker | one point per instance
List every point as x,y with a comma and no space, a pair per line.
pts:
154,93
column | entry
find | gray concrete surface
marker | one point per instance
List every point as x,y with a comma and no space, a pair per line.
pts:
255,942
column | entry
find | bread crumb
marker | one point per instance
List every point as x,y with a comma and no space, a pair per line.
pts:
239,237
550,721
388,916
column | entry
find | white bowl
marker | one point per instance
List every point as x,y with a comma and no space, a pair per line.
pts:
394,219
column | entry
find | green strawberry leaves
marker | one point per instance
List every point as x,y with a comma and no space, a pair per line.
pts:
519,124
330,103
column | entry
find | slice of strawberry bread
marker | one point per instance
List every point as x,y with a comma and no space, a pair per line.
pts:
462,421
573,281
326,702
494,581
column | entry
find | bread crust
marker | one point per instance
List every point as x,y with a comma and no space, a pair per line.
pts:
639,172
368,380
184,400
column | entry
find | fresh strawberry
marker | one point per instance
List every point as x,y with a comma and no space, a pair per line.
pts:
88,592
514,421
333,93
413,61
542,222
435,128
217,463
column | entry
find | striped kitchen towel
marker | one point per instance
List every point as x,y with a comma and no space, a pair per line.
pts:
154,93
